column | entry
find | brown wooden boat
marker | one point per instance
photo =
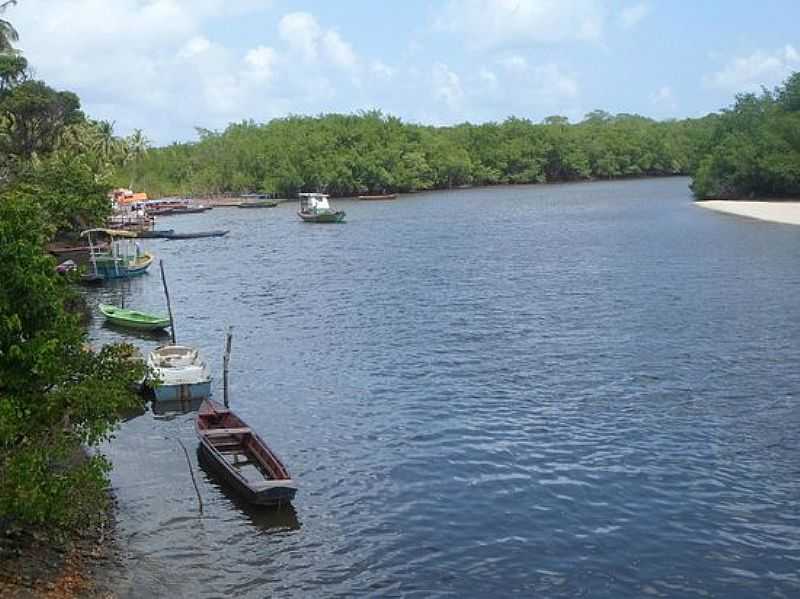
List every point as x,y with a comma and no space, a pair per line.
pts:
385,196
240,457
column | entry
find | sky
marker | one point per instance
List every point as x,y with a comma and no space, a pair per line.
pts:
168,66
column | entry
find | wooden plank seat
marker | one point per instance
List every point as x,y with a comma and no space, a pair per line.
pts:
221,432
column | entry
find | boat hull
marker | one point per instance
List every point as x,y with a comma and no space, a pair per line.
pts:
277,495
132,319
241,458
325,217
388,196
197,235
183,392
106,270
268,204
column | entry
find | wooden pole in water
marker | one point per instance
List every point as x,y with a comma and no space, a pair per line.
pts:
225,361
169,304
191,471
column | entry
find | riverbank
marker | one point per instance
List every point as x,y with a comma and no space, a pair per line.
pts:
37,562
786,212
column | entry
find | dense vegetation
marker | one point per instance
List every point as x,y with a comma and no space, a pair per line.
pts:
56,395
754,147
350,154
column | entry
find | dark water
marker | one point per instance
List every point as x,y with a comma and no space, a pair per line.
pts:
578,390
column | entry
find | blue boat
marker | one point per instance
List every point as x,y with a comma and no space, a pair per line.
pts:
124,258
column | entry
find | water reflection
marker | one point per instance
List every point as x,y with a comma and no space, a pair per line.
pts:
172,408
160,335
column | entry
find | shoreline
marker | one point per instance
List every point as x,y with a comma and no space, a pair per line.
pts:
785,212
222,200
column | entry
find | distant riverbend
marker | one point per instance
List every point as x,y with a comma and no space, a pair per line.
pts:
548,390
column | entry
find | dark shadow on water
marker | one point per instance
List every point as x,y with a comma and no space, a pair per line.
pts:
158,335
265,518
140,409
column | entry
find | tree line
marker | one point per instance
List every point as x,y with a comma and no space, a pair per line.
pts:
753,149
347,154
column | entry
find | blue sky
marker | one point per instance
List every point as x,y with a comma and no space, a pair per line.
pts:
166,66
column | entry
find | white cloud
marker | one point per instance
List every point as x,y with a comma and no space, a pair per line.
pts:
447,86
162,66
664,99
261,62
510,22
339,51
749,73
632,15
381,70
514,63
301,32
196,45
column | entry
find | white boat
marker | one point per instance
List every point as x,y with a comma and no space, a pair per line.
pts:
315,208
182,373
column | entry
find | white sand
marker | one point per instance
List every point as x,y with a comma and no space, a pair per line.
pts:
776,212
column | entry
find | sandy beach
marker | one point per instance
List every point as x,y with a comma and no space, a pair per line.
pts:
787,212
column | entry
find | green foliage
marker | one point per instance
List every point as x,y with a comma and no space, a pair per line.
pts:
33,117
68,190
372,152
754,147
13,70
55,394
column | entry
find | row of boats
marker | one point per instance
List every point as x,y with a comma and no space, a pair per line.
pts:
179,377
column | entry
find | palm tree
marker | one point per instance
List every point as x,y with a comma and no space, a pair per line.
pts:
7,32
136,145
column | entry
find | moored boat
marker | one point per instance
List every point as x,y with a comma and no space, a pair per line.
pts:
182,374
315,208
242,458
385,196
123,260
133,319
155,233
197,234
258,204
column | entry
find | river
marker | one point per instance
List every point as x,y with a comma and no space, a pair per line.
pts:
560,390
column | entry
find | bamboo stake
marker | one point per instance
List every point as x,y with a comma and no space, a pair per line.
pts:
225,361
169,304
191,471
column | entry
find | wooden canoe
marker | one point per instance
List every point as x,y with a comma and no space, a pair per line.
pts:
240,457
258,204
385,196
133,319
197,234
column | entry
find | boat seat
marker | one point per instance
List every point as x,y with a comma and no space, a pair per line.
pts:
218,432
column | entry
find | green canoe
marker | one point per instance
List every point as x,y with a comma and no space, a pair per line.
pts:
133,319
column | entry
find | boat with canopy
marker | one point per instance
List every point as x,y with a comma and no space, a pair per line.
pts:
123,259
315,208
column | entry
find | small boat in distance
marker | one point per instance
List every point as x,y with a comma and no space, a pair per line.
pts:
133,319
197,234
258,204
315,208
182,374
385,196
239,456
155,233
